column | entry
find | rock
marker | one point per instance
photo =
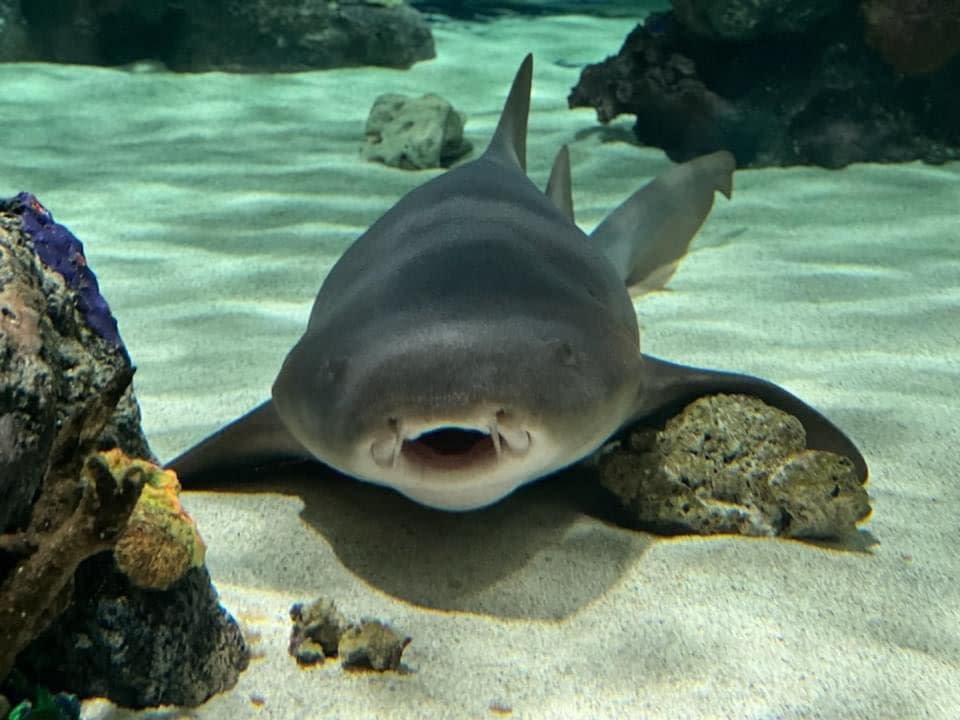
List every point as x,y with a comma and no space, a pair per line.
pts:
914,38
14,41
414,133
321,631
316,631
65,396
748,19
480,10
372,645
823,96
732,464
140,648
266,35
237,35
819,495
53,360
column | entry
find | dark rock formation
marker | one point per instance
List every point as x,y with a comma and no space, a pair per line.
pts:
235,35
140,647
747,19
65,395
732,464
300,35
481,9
14,41
54,363
824,96
414,133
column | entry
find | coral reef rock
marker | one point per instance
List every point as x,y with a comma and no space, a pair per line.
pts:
137,647
235,35
321,631
414,133
69,424
823,95
55,365
732,464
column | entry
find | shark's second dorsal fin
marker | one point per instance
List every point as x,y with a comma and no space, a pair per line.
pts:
559,188
509,142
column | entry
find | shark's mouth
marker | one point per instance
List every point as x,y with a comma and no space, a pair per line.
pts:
451,447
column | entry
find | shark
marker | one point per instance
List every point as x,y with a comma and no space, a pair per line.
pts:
474,339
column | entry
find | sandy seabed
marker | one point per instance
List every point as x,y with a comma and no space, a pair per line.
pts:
212,206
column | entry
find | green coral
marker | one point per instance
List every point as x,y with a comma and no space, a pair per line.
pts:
37,702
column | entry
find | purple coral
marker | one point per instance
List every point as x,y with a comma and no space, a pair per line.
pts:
61,251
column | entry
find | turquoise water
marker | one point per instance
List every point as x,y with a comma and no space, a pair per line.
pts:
212,205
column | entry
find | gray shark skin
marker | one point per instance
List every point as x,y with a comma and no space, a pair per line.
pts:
474,339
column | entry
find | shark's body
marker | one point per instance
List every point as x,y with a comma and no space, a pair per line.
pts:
475,339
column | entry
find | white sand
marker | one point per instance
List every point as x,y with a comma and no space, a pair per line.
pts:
211,207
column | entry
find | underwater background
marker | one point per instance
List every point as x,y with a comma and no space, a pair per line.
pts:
211,205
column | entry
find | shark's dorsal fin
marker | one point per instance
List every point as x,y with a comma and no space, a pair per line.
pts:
509,143
559,185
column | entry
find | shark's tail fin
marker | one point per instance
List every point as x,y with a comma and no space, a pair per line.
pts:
646,236
509,143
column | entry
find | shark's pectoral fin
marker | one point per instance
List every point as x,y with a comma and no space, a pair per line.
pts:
647,235
668,387
255,439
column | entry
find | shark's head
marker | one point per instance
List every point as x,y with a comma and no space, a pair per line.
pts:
455,415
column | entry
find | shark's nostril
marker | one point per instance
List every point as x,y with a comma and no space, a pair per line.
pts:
384,449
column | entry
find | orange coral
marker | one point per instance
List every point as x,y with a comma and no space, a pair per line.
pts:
160,542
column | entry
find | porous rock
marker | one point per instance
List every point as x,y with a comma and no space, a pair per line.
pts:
320,631
414,133
732,464
52,364
316,632
825,96
65,395
372,645
137,647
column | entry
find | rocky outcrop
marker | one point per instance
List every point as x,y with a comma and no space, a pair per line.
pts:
233,35
75,620
732,464
140,648
826,88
